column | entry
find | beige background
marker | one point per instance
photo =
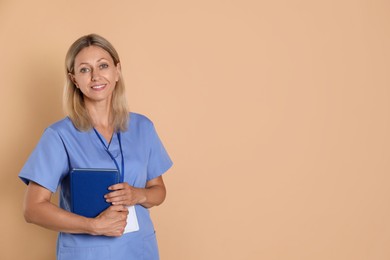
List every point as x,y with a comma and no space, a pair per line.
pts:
276,114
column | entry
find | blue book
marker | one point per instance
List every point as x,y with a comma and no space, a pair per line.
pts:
87,190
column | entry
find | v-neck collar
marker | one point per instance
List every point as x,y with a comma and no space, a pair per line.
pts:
104,140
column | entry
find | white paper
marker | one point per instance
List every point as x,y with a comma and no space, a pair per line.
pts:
132,221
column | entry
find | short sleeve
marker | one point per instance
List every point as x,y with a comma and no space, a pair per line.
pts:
159,161
48,163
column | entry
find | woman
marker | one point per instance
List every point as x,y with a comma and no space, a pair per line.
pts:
99,132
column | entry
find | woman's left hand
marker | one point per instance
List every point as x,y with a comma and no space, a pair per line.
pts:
124,194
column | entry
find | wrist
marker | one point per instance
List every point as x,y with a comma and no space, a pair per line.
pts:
91,226
142,195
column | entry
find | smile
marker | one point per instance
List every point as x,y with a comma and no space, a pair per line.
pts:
98,86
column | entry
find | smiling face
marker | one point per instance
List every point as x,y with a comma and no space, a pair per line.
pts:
95,74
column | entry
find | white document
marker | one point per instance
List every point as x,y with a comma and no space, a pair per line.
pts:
132,221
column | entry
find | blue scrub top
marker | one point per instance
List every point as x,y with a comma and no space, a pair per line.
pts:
62,147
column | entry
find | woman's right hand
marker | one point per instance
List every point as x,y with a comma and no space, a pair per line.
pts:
111,222
39,209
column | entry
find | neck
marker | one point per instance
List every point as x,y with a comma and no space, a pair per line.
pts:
102,122
100,114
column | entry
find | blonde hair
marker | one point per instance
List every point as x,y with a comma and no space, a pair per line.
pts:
73,99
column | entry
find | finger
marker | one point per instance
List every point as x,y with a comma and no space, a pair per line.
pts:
117,200
115,194
118,186
120,208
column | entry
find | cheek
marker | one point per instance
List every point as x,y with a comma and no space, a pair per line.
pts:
81,82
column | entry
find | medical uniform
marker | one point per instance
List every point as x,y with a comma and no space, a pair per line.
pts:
62,147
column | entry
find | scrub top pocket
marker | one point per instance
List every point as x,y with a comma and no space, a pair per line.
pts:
84,253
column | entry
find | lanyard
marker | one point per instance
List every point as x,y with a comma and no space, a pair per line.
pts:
121,171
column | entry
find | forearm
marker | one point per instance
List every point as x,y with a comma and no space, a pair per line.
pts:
39,210
50,216
153,196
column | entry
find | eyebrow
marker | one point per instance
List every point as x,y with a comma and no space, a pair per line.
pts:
86,63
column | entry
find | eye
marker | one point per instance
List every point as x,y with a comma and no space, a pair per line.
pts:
84,70
103,66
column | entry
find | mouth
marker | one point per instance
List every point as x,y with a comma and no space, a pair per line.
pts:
98,86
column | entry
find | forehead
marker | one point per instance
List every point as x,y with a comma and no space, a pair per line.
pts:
92,54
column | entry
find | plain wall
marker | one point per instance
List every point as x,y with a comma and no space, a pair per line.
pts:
276,114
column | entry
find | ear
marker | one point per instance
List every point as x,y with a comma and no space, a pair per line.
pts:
71,77
118,71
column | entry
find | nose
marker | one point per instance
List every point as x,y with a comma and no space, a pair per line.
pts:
95,74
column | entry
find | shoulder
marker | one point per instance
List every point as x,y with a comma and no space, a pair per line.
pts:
53,135
63,125
66,131
139,120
